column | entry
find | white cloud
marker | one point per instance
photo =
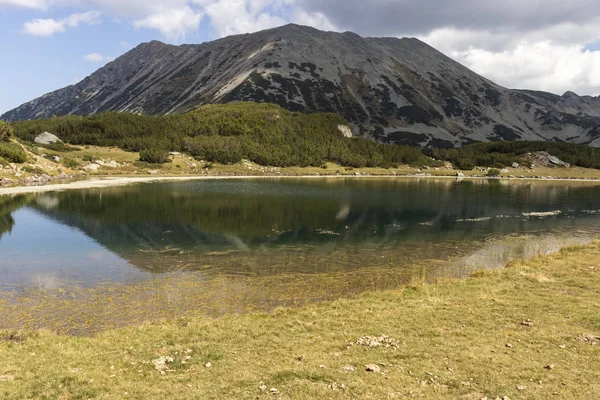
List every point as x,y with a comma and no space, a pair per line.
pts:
43,27
173,23
229,17
552,59
36,4
97,58
48,27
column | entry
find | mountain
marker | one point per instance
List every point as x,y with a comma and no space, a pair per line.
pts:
394,90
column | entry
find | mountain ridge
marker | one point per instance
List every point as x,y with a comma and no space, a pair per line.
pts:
393,90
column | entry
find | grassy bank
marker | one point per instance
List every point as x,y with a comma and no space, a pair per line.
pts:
529,331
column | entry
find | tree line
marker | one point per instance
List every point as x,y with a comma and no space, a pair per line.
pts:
263,133
503,154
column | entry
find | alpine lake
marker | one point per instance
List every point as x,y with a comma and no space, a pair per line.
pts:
82,261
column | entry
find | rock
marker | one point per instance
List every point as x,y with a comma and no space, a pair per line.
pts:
521,387
373,368
174,153
346,131
460,174
153,172
274,390
376,341
510,346
549,367
505,170
515,165
112,164
557,161
527,322
92,167
47,138
208,364
56,158
348,368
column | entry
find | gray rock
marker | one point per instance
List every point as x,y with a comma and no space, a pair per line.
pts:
460,174
515,165
92,167
558,161
47,138
373,368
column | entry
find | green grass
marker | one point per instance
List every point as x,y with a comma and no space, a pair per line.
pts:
491,335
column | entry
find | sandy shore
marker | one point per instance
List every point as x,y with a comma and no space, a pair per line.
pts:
108,181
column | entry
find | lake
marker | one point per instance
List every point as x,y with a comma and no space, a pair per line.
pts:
69,259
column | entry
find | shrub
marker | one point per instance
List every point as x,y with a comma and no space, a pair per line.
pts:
154,156
6,131
70,163
12,152
493,173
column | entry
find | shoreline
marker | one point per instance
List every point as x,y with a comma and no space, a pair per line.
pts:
116,180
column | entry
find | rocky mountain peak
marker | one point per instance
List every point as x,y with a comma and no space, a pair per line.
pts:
393,90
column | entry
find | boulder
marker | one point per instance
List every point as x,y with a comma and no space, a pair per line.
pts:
92,167
559,162
346,131
47,138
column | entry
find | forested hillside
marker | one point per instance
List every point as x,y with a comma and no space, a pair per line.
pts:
263,133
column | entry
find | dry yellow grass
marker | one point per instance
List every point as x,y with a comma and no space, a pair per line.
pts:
530,331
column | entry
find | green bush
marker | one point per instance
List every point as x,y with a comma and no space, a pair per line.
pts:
70,163
12,152
154,156
6,131
493,173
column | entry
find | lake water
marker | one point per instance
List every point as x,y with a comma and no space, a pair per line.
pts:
312,239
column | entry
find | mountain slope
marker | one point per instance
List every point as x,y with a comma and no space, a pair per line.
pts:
395,90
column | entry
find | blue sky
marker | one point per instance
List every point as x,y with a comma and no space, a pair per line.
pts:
549,45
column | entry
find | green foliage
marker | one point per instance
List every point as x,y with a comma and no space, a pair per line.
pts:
6,131
60,147
70,163
493,173
12,152
33,170
262,133
154,156
503,154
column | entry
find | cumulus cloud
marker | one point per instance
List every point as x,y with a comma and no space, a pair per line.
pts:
48,27
229,17
97,58
173,23
35,4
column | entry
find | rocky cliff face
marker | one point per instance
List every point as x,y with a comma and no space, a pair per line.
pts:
394,90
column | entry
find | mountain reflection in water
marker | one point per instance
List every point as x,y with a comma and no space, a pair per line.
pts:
272,226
